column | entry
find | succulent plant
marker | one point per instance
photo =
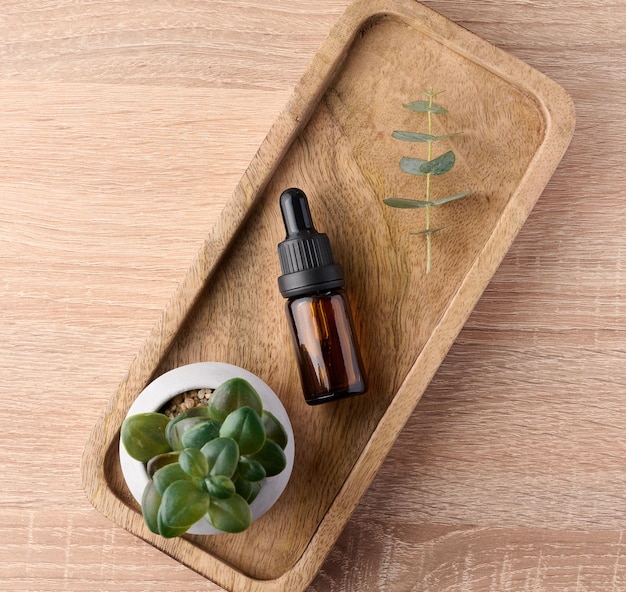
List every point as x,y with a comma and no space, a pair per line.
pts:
207,462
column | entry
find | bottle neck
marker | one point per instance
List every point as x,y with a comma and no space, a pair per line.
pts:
317,295
309,281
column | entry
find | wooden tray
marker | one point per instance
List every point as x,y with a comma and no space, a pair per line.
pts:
334,141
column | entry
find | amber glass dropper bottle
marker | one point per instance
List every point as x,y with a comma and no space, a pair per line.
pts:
317,308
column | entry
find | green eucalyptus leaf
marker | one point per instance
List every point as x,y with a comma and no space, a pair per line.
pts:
451,135
413,137
413,166
143,435
200,433
194,463
425,107
167,475
183,504
399,202
222,455
272,457
250,469
437,166
150,502
440,165
444,200
219,486
417,137
244,425
428,231
231,395
155,463
274,430
230,515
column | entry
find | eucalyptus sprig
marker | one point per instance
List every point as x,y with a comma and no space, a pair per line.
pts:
429,167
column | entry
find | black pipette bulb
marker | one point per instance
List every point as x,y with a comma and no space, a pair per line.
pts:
306,258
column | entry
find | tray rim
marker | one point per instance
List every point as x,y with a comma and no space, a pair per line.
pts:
303,102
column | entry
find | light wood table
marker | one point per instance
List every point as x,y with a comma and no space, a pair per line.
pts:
511,473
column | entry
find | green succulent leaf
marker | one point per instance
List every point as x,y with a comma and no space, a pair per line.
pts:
170,532
222,455
250,469
248,490
143,435
150,502
172,433
243,488
272,457
219,486
197,411
155,463
244,425
437,166
425,107
183,504
274,430
194,463
167,475
230,515
231,395
177,429
255,489
199,434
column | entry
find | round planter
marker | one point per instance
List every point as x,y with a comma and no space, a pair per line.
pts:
207,375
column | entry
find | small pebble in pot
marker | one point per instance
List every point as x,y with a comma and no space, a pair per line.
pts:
185,401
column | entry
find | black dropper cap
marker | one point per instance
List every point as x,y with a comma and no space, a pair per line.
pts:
306,258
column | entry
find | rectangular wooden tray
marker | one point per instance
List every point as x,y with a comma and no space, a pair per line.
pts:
334,141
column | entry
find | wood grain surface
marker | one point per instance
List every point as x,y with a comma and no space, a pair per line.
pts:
510,474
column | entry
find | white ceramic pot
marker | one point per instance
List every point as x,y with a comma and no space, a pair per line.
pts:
208,375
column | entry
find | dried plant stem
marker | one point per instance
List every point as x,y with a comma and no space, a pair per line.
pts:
420,167
428,176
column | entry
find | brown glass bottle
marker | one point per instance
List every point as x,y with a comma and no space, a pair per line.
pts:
326,347
319,313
